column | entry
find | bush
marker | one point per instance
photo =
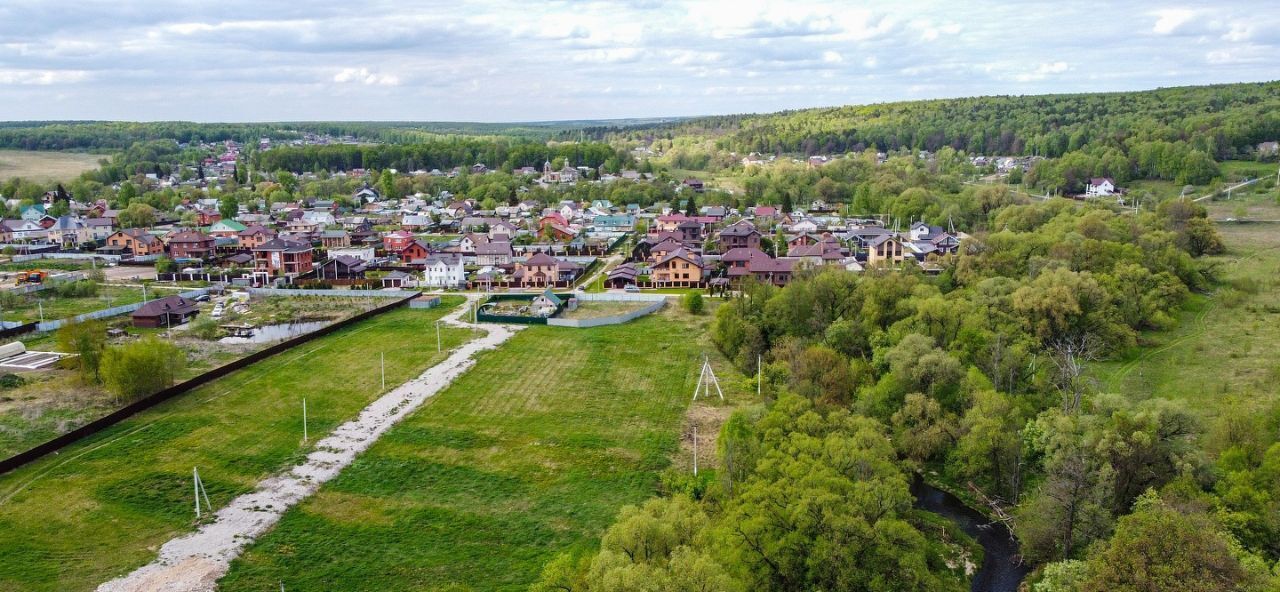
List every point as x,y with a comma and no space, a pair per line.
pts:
140,368
87,340
10,380
76,289
693,303
205,328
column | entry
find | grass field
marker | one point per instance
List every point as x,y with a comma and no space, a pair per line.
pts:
1224,346
27,307
529,454
102,506
42,166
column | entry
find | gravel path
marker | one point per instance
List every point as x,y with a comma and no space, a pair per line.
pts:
194,562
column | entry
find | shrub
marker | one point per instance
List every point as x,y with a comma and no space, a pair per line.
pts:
140,368
693,303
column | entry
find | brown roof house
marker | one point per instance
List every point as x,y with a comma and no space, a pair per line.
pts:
165,312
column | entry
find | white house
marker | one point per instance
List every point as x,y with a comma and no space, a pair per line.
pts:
26,230
804,227
321,219
363,254
1100,187
444,270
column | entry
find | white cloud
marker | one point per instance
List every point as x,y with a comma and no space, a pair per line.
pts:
366,77
503,60
42,77
1170,19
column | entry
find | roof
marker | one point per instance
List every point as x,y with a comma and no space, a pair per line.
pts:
494,248
679,254
285,245
190,236
167,305
540,259
549,296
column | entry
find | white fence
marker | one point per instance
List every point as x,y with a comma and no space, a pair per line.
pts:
355,293
656,301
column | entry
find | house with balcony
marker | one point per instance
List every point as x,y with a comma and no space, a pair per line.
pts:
282,257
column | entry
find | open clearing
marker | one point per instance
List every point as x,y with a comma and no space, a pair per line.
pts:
1223,347
102,506
41,166
529,454
596,309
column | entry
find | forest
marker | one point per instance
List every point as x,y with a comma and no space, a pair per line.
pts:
977,376
443,154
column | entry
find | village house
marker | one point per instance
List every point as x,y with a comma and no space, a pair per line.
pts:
342,267
396,241
23,230
494,253
678,268
255,236
226,229
99,228
169,311
1100,187
335,239
884,250
539,270
415,252
740,235
282,257
191,244
135,241
443,270
69,232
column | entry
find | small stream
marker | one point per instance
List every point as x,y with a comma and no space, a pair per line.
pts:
1000,571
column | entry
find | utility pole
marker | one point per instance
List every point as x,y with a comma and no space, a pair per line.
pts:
304,420
40,304
759,375
439,347
384,370
695,450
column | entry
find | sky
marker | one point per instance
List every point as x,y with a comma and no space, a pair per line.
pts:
494,60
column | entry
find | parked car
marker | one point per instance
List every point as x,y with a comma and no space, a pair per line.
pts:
631,288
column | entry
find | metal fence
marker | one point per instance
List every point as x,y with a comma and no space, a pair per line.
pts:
140,405
355,293
656,301
610,320
106,312
49,282
425,302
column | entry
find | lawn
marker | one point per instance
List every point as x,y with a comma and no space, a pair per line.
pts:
1224,345
529,454
595,310
42,166
102,506
26,308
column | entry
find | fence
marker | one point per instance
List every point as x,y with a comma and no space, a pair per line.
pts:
36,256
48,283
516,320
655,302
356,293
132,409
195,277
425,302
106,312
